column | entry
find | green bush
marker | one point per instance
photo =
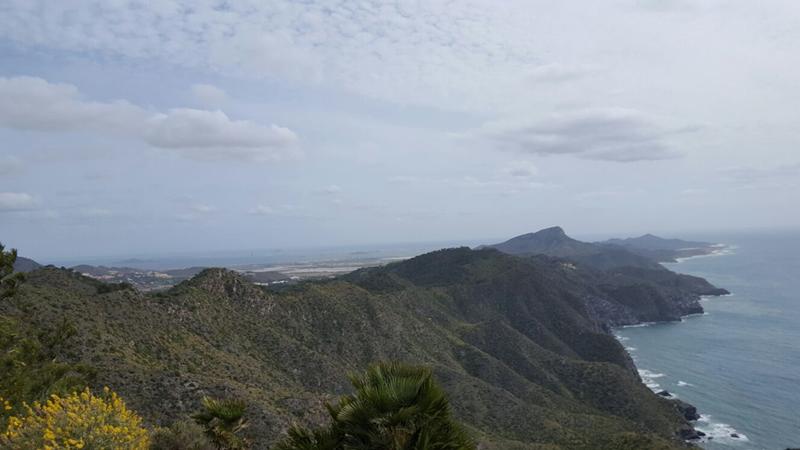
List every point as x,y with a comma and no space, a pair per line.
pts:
181,435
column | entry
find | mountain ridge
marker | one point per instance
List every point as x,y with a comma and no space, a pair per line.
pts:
524,361
521,344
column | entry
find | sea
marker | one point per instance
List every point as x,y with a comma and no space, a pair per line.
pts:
739,362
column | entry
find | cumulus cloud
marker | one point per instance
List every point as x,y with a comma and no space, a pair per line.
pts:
213,134
16,201
619,135
208,95
34,104
30,103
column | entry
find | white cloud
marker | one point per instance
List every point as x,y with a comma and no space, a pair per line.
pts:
30,103
16,201
209,95
34,104
609,134
212,134
429,53
433,53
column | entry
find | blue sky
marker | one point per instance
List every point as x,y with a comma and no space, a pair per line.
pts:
161,126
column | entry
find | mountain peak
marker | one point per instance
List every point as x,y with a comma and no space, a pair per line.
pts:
551,241
549,235
225,283
551,231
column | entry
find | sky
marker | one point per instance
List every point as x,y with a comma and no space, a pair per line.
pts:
131,127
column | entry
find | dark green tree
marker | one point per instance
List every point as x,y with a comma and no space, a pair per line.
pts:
224,422
394,407
9,280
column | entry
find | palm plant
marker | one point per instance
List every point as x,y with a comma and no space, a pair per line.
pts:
223,421
394,407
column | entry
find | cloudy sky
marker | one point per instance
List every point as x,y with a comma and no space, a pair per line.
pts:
131,127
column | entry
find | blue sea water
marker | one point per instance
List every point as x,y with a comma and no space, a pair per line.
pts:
739,363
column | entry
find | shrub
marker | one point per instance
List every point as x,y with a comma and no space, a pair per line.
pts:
79,420
30,362
182,435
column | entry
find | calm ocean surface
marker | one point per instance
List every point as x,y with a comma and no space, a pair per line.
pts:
740,362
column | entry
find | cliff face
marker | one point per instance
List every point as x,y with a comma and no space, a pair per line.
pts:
519,344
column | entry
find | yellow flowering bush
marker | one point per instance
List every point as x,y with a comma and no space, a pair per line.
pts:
77,421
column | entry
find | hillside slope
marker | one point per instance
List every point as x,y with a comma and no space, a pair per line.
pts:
526,362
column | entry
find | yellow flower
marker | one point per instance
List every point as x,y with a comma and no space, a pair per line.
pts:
76,421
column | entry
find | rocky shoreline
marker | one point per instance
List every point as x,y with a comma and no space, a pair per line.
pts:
689,412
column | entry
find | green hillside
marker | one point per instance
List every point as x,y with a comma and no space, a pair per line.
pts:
525,363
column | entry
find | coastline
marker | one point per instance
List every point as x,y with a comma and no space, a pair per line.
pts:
707,429
713,250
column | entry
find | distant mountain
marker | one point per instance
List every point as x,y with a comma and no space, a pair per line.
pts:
663,250
520,344
25,264
555,242
652,242
551,241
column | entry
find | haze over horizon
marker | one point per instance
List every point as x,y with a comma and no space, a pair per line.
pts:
134,128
